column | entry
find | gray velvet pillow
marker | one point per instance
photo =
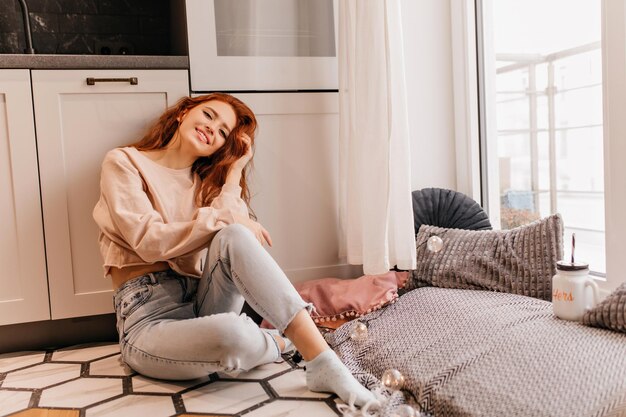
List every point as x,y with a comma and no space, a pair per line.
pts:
447,208
518,261
610,313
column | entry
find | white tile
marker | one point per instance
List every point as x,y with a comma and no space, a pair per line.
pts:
134,405
224,397
85,353
40,376
111,366
142,384
293,384
81,392
10,361
260,372
12,401
339,401
288,408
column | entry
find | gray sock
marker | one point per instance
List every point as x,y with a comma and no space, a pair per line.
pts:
326,373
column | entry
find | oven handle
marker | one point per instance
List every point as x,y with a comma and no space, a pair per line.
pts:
130,80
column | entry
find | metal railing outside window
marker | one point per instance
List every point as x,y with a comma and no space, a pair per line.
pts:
543,188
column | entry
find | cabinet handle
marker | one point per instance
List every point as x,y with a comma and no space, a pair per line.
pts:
130,80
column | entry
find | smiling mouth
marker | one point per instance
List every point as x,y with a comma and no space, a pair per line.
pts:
203,137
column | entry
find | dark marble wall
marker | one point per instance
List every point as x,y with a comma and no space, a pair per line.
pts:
135,27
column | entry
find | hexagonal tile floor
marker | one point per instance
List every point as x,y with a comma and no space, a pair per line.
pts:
91,380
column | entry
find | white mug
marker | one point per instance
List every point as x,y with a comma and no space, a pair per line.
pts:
570,297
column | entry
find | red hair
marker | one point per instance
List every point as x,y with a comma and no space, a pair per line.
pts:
212,169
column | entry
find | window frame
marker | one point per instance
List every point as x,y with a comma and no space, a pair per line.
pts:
473,122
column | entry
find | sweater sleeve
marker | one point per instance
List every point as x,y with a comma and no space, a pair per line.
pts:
136,225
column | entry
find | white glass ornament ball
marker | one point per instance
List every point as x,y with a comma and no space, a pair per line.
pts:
392,379
434,244
405,411
359,332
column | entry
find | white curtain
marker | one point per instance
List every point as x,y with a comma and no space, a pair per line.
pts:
376,215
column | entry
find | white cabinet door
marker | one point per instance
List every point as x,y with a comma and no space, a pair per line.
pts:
76,125
23,284
294,184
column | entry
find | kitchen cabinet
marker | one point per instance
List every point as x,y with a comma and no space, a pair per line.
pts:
76,123
295,181
23,283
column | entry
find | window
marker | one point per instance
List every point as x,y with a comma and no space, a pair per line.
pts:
541,112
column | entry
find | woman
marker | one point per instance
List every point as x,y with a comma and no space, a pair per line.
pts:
183,254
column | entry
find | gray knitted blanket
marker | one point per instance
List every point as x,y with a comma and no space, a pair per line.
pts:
482,353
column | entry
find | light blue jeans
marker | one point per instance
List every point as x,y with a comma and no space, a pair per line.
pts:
177,327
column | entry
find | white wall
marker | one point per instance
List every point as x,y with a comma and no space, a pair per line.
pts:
428,59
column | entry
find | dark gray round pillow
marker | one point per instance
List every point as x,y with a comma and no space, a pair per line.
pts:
447,208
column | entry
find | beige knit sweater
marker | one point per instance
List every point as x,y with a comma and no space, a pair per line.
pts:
147,213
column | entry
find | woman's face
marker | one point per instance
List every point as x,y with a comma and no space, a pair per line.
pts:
204,128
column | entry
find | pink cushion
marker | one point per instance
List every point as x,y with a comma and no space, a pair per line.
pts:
338,300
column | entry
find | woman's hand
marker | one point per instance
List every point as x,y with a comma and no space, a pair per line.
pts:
234,173
262,235
243,161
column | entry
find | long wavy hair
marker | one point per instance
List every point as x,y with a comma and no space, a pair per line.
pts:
212,169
